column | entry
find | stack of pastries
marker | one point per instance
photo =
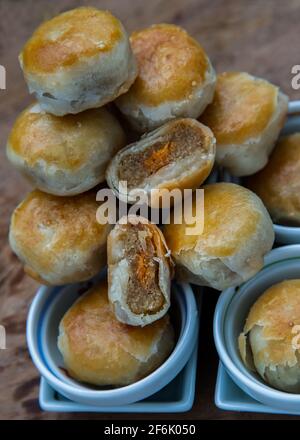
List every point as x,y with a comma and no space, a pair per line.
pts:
85,73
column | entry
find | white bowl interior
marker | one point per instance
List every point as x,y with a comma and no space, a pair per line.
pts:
245,297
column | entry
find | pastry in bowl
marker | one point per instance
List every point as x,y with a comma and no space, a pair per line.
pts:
100,350
270,341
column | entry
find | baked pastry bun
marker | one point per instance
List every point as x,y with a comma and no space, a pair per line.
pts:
270,342
228,247
64,155
180,154
100,350
175,78
139,271
246,116
78,60
58,239
278,184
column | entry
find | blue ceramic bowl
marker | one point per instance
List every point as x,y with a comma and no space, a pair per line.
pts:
230,315
176,397
229,397
46,311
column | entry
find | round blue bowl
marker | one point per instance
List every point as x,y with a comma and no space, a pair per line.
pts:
46,311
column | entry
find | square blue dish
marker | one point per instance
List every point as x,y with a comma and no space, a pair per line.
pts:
178,396
229,397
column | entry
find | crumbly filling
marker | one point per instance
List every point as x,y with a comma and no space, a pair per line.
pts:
143,293
182,141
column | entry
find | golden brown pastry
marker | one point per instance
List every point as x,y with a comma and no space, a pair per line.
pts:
237,233
175,78
180,154
58,239
278,184
246,116
78,60
64,155
270,342
100,350
139,271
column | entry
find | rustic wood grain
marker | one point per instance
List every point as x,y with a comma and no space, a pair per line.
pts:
259,36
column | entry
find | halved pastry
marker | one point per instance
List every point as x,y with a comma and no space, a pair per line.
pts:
180,154
139,271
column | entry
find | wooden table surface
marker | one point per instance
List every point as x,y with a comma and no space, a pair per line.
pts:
258,36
